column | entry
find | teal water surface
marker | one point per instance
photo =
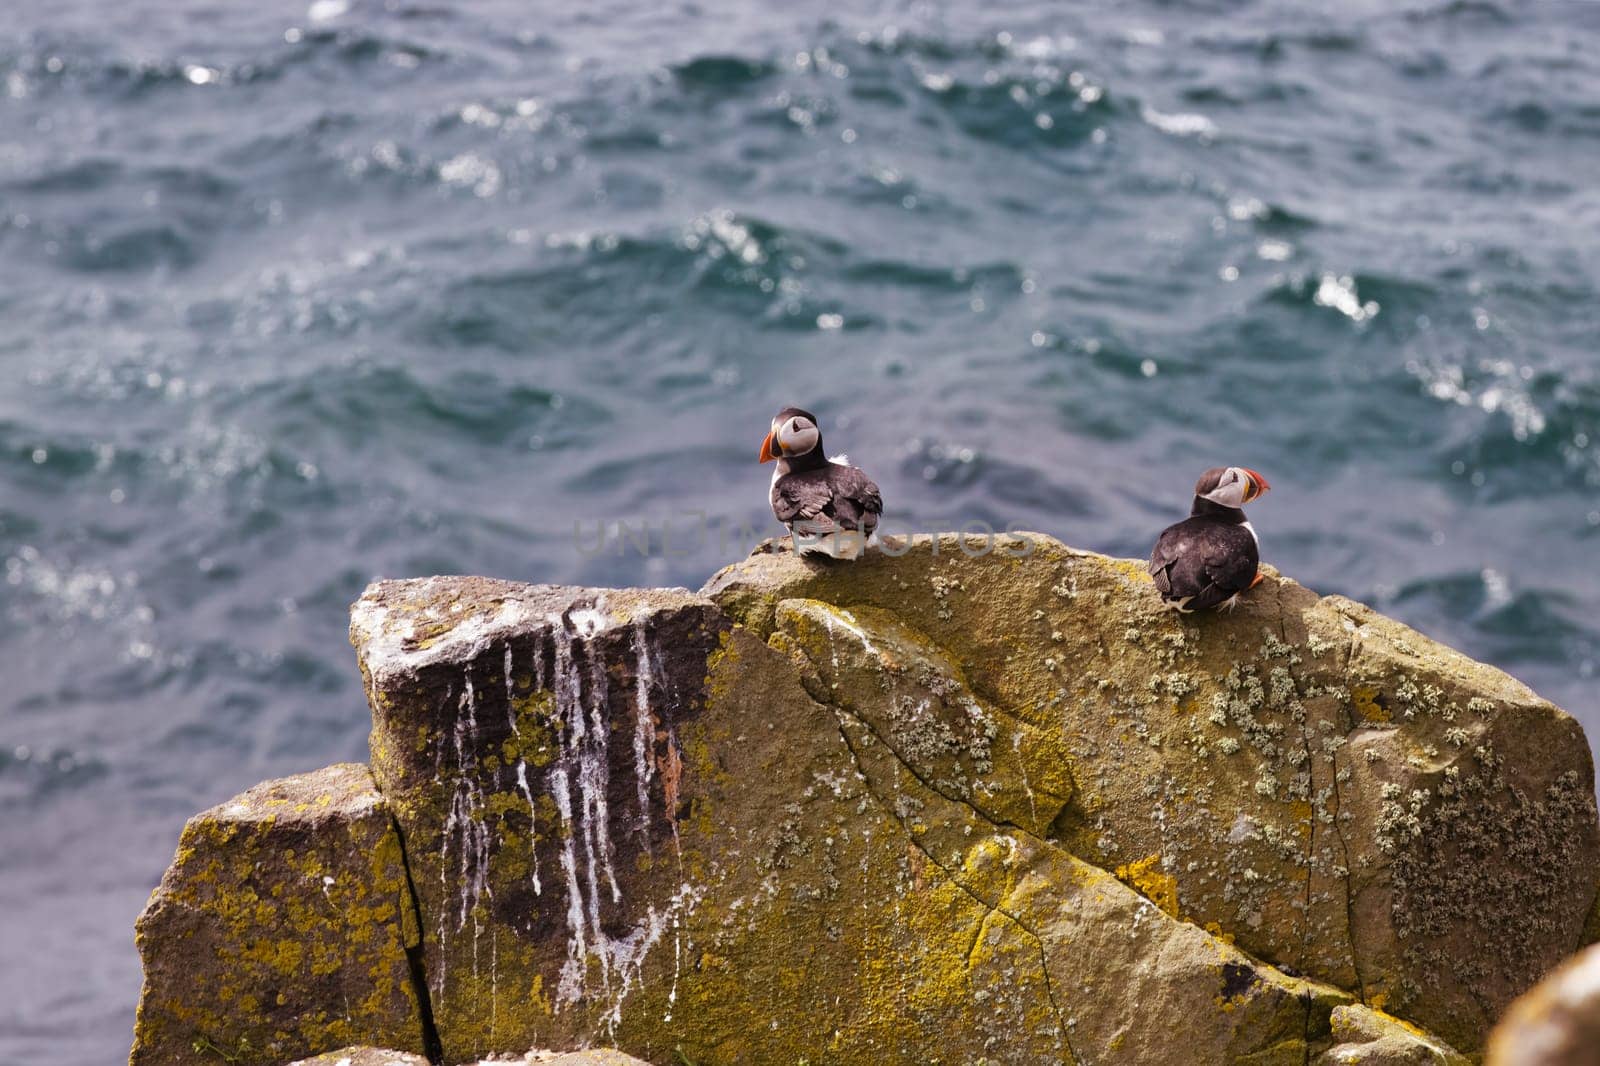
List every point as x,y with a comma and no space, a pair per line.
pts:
297,297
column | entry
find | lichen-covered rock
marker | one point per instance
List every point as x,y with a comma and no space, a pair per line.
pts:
1123,955
1332,791
1371,1038
936,808
280,930
1591,928
1557,1023
928,808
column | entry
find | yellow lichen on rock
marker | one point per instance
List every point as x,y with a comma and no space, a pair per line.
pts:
1147,878
1364,698
279,929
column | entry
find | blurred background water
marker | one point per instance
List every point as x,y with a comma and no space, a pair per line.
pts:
296,297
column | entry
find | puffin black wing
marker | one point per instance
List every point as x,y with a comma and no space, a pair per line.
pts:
1202,563
856,502
828,498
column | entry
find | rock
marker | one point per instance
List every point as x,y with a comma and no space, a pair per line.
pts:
280,929
804,876
627,818
1372,1038
1337,793
366,1056
1557,1023
363,1056
525,737
936,808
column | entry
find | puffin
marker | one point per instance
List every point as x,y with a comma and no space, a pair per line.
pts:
1212,556
829,506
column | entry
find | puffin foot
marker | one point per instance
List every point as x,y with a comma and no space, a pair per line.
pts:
842,544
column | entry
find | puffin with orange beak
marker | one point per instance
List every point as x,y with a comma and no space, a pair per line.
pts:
829,506
1212,556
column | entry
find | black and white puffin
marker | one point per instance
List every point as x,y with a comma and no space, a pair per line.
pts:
830,507
1210,557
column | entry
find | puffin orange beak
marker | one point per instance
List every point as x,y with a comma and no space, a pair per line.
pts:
1258,484
767,454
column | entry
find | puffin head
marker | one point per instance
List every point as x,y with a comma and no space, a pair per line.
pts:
1230,486
794,433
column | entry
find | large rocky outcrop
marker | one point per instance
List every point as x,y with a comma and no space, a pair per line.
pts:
1337,793
938,808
